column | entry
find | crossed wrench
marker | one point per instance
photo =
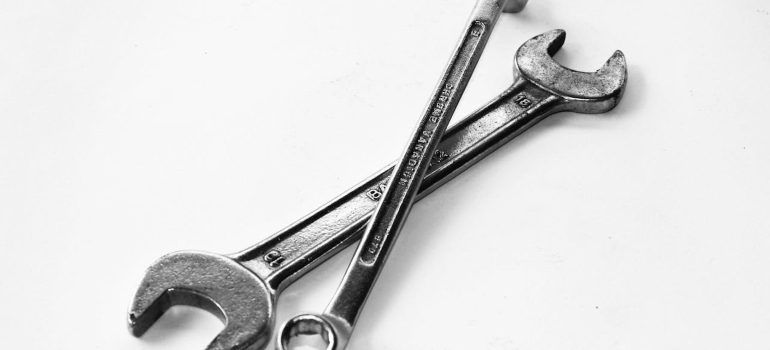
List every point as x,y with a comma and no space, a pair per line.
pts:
242,288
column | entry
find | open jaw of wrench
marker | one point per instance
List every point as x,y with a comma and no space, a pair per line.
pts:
242,288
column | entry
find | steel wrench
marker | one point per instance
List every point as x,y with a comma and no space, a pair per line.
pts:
339,319
242,288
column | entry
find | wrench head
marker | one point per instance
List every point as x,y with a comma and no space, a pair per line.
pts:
583,92
335,337
212,282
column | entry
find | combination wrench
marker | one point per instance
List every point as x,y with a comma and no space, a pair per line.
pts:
241,289
337,322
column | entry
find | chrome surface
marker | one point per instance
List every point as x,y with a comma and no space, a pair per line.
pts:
242,288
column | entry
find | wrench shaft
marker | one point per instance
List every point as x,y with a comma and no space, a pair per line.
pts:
353,210
300,247
408,175
396,203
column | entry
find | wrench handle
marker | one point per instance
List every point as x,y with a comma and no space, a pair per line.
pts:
287,255
396,203
404,184
413,165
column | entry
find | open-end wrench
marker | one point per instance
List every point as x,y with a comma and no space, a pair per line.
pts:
339,319
241,289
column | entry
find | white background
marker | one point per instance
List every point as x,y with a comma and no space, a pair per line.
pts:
130,129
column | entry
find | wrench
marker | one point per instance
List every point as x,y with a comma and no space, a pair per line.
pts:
339,319
242,288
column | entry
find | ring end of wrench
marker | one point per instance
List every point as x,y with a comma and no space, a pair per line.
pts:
334,334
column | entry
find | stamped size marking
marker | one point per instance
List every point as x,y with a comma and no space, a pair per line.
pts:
439,156
523,101
274,258
477,29
375,244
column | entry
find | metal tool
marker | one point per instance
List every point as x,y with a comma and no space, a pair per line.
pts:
335,325
242,288
339,319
